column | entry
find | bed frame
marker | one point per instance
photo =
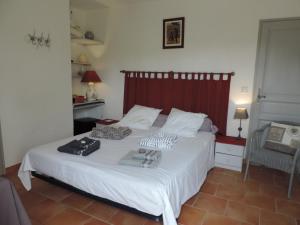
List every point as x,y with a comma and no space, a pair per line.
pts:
104,200
196,92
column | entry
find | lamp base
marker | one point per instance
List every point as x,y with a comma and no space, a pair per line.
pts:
239,136
91,92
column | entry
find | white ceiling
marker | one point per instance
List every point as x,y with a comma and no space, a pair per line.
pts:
98,4
86,4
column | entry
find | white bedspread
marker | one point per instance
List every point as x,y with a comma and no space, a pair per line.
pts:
157,191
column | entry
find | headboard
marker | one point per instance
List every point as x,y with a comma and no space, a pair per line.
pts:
190,91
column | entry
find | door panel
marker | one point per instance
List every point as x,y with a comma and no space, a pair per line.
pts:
277,75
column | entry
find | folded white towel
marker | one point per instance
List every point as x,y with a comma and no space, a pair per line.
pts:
160,141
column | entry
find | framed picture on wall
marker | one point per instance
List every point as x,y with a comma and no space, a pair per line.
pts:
173,33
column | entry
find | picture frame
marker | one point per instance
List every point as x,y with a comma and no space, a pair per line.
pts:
173,33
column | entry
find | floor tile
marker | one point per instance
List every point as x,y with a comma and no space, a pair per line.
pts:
38,184
212,219
77,201
249,185
126,218
209,188
101,210
54,192
225,199
230,192
288,208
217,170
272,190
282,181
191,216
191,201
33,222
210,203
259,200
262,176
271,218
152,222
233,173
242,212
31,199
68,217
95,222
49,209
296,194
221,178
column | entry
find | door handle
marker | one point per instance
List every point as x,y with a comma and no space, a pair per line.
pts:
259,95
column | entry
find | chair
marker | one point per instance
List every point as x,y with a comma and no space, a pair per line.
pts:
281,160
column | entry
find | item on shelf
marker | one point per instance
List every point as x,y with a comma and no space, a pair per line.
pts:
78,98
82,59
89,35
76,31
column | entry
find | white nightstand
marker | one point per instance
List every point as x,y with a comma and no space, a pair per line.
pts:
229,152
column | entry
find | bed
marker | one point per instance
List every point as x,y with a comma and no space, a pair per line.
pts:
158,191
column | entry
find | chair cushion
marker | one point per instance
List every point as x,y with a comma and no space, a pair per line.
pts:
283,138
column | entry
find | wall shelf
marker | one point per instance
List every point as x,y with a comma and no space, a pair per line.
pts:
81,64
86,42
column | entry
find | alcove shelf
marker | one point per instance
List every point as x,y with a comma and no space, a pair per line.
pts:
86,42
79,63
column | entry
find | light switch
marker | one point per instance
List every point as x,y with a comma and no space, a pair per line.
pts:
244,89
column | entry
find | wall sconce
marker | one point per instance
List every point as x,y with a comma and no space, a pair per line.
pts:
39,40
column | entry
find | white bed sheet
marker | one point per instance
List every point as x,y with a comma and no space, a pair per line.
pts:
162,190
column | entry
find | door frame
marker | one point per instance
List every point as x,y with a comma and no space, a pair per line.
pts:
2,163
260,53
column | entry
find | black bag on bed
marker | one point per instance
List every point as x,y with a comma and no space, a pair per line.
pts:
84,146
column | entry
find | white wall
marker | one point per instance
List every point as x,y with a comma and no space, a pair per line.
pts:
220,36
35,83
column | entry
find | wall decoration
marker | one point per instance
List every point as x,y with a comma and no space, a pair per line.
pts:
39,40
173,33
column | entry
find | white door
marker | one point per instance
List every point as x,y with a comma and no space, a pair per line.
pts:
277,75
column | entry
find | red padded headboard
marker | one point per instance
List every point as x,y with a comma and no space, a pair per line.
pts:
194,92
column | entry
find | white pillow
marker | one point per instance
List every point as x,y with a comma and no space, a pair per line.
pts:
185,124
139,117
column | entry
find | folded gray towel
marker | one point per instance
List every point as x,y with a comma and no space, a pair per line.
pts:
147,154
109,132
129,160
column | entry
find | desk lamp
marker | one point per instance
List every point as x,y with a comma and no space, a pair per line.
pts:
91,77
241,114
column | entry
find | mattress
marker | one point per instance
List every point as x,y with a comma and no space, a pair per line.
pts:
157,191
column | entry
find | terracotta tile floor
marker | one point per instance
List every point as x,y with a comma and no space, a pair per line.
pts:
224,199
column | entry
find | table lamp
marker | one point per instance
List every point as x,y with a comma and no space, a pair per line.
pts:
241,114
91,77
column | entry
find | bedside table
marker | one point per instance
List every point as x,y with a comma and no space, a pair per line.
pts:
229,152
107,121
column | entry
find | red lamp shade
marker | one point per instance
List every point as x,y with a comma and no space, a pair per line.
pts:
90,76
